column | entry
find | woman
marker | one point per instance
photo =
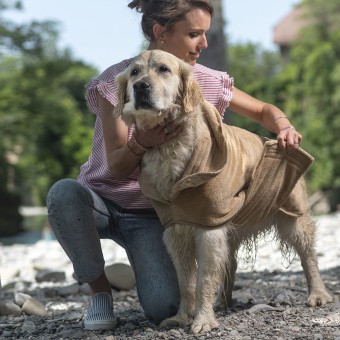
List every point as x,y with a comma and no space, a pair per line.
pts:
105,201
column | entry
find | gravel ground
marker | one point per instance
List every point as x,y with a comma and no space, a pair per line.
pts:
269,302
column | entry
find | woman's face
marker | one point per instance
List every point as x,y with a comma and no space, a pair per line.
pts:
187,38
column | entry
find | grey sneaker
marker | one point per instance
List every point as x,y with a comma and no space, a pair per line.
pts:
100,313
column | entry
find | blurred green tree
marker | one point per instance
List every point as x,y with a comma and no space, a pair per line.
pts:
254,71
312,90
306,87
45,126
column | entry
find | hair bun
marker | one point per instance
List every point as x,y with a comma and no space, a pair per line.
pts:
138,4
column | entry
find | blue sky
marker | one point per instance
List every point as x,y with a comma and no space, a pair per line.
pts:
103,32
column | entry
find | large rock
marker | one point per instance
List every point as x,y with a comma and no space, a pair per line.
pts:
21,298
9,308
69,289
50,276
33,307
120,276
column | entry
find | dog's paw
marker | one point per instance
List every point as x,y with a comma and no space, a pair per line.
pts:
203,324
318,298
175,321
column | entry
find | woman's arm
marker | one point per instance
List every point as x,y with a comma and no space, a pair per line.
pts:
121,161
123,157
269,116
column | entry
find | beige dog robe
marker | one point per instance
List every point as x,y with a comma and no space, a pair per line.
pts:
233,176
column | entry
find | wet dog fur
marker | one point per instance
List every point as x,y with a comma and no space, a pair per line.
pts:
158,87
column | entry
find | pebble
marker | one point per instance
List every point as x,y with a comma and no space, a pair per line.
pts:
6,334
50,276
9,308
20,298
28,326
259,308
284,297
41,299
233,332
33,307
70,289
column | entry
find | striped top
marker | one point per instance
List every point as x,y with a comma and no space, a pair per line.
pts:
217,89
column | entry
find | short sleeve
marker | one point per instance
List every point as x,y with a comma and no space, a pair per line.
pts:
216,86
104,85
226,92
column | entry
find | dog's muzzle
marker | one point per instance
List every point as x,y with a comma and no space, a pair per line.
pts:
142,92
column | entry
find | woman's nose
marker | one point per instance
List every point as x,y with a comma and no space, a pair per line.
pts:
203,42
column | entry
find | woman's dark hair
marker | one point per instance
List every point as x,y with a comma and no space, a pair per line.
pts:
166,12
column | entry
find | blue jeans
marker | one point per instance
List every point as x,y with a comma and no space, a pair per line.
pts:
79,218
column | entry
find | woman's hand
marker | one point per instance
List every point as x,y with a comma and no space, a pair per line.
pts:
157,135
269,116
289,138
121,160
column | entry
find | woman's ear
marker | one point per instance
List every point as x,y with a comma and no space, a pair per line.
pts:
121,81
159,34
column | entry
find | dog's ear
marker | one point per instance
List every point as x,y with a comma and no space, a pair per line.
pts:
191,92
121,81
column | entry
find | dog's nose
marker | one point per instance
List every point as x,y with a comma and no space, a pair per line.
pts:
143,94
141,86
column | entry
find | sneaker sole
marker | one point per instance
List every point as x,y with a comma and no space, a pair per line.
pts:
97,325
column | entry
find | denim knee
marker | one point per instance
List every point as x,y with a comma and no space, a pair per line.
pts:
69,188
159,310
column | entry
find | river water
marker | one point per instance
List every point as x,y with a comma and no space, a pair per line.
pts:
327,246
35,227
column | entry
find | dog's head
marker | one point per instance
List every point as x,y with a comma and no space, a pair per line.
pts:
156,86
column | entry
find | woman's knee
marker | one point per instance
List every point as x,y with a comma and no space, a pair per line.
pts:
160,302
157,311
67,201
67,191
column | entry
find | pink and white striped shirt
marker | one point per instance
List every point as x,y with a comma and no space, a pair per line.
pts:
217,89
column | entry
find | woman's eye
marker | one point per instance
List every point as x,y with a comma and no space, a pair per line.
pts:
193,35
134,72
163,68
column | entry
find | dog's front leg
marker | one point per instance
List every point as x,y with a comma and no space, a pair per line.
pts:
179,241
212,257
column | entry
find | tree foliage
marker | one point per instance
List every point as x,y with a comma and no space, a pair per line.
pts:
254,71
312,89
306,87
46,129
45,126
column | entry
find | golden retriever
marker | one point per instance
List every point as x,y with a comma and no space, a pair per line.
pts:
157,88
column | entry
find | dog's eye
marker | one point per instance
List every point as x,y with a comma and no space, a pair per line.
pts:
134,72
163,68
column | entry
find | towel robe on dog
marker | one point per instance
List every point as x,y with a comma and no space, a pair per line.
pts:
233,176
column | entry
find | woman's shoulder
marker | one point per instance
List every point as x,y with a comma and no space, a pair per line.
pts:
112,71
216,86
201,70
105,85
